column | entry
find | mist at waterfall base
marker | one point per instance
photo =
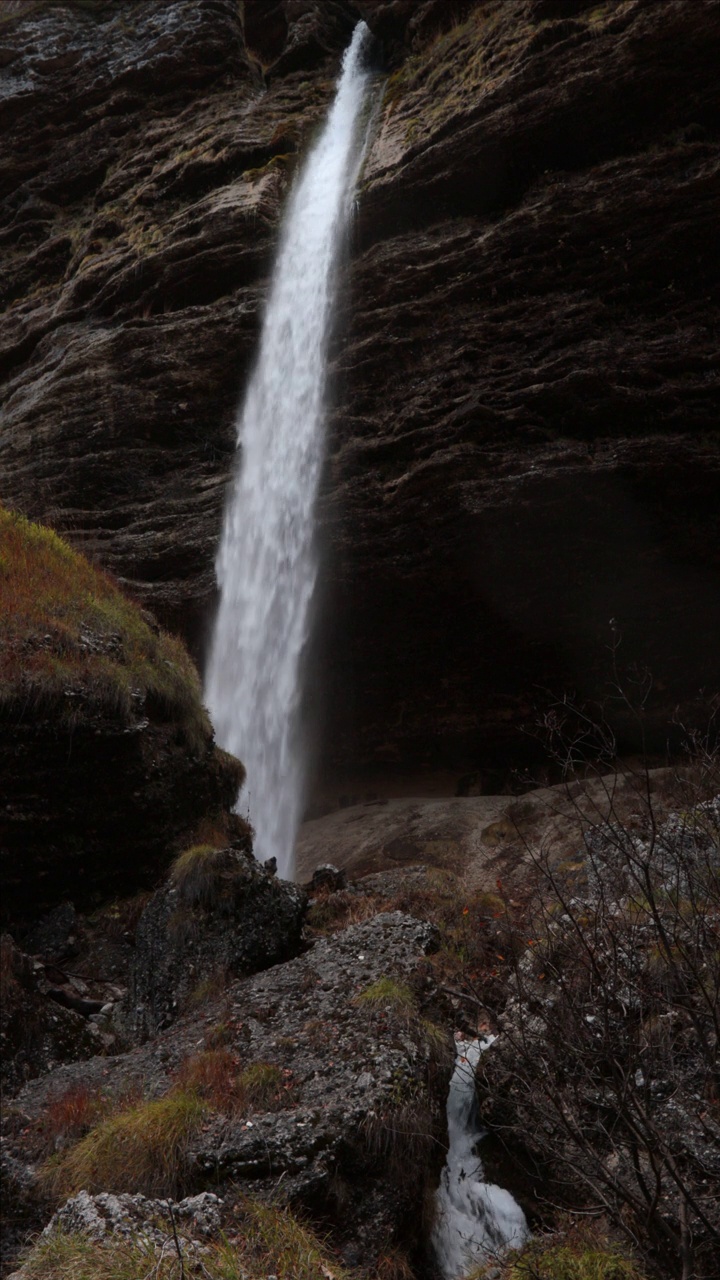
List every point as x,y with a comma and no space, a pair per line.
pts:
475,1221
266,564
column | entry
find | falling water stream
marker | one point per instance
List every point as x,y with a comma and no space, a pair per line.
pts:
266,563
475,1220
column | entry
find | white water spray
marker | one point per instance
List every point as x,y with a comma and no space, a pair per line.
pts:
266,565
476,1221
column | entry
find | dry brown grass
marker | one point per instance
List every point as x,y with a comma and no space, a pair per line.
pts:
578,1252
394,1264
69,1115
141,1146
142,1149
213,1075
338,909
217,1076
481,933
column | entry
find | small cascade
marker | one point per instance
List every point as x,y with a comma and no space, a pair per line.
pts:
266,565
475,1220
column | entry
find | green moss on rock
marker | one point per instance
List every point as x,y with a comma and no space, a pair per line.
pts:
71,639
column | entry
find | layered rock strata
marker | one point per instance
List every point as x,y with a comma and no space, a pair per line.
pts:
524,442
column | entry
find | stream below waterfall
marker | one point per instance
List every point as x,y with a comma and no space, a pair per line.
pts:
267,564
476,1221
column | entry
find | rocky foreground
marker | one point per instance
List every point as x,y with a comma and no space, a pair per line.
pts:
240,1071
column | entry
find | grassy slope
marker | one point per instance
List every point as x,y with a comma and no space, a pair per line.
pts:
70,639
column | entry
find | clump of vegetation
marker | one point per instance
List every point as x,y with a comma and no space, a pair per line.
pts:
215,984
196,874
141,1149
480,934
70,1114
340,908
217,1077
210,870
269,1241
213,1076
387,993
71,1256
261,1083
394,1264
70,640
275,163
576,1254
219,1036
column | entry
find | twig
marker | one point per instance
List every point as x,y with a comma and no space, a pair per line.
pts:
462,996
177,1242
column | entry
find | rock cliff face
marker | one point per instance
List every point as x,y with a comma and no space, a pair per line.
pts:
524,433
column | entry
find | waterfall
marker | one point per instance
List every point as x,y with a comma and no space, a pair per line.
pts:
475,1220
266,564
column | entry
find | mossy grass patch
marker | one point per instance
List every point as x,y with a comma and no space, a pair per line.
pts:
386,992
71,641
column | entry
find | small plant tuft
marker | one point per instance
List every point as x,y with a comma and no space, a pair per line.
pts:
387,992
261,1083
69,1115
197,875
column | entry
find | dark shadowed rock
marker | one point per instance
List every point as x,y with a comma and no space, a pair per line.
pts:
24,1206
36,1032
196,934
326,878
53,937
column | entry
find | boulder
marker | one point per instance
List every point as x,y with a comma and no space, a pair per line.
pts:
112,1221
219,916
327,879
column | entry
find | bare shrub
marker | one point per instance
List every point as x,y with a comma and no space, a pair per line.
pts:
605,1078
